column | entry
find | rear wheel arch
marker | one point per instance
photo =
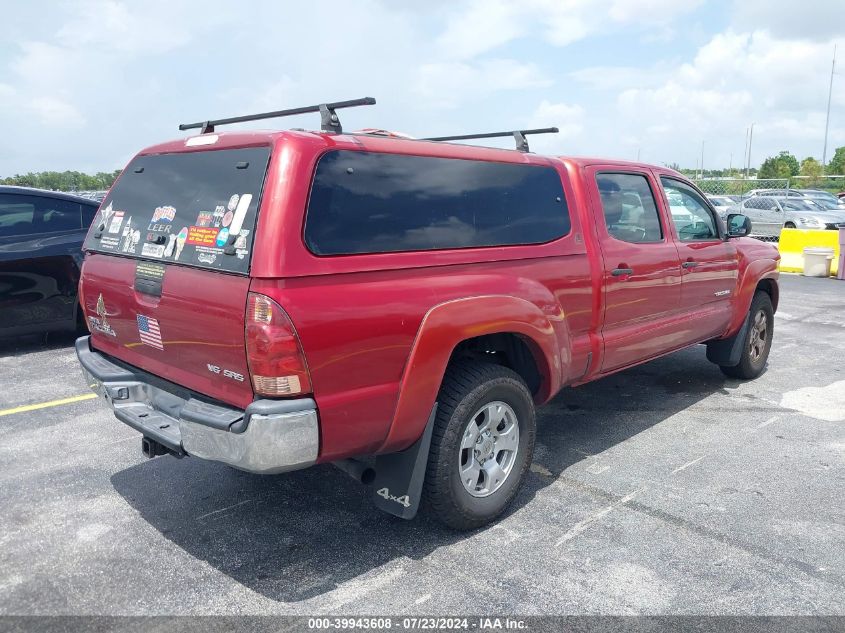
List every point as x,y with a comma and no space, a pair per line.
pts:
508,349
506,326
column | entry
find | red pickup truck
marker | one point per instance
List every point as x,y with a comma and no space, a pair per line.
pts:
397,307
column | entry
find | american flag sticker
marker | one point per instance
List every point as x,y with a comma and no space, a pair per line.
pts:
149,332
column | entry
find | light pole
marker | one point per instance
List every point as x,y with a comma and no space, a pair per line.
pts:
744,155
827,118
750,140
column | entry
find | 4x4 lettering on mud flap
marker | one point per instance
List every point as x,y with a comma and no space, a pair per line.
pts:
404,500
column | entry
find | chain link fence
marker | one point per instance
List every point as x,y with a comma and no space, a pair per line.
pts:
738,189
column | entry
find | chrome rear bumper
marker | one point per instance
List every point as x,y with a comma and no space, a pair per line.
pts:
269,436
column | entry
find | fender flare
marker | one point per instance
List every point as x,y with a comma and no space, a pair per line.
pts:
449,323
747,285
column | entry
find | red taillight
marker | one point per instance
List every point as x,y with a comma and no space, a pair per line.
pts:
276,362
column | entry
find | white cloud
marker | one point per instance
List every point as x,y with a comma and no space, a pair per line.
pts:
736,79
816,20
481,26
55,112
484,25
92,81
447,84
622,77
569,118
655,12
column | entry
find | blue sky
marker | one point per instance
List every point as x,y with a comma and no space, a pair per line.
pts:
85,84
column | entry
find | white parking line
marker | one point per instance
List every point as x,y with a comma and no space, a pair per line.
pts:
688,464
208,514
583,525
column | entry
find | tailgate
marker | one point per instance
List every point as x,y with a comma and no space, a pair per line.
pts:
165,280
193,334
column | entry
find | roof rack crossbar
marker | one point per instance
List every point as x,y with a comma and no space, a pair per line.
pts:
329,121
518,135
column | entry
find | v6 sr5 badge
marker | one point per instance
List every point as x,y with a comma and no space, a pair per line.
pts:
226,373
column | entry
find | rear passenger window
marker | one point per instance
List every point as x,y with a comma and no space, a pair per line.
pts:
27,215
17,215
630,213
59,215
362,202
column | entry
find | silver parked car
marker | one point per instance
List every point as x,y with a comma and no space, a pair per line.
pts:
722,204
816,195
770,214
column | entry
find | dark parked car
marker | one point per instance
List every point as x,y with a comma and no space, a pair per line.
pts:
41,234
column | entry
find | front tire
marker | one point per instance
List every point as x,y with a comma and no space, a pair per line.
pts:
481,446
758,340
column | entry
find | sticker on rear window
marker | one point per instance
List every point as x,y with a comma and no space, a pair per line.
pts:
180,241
192,208
201,236
131,237
152,250
205,218
116,221
240,212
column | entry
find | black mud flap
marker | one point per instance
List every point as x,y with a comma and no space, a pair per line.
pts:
399,476
728,352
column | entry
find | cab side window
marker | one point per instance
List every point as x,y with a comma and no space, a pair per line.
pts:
630,212
691,215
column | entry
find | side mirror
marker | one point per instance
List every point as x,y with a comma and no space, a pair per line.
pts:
738,225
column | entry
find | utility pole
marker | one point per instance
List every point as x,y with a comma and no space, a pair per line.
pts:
731,165
702,159
745,155
750,140
827,119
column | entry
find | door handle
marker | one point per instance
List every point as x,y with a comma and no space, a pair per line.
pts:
618,272
689,264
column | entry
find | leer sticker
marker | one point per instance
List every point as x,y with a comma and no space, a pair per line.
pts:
233,202
222,237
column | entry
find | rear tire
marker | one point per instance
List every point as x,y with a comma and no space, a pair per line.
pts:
481,446
758,340
789,225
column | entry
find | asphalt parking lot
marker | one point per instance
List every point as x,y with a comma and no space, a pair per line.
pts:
666,489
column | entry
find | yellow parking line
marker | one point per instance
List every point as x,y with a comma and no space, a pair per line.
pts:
45,405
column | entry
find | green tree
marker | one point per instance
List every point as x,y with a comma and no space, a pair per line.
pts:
784,165
836,166
63,180
812,169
